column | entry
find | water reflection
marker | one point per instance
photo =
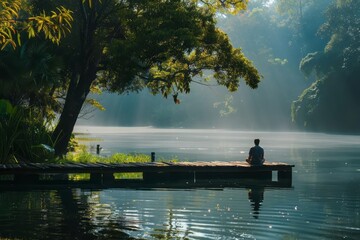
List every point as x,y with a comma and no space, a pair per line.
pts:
256,197
85,217
60,214
181,213
116,214
172,229
324,203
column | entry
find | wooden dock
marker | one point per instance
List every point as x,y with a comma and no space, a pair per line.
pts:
153,173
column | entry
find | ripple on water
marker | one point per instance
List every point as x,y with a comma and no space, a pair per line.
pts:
230,214
262,213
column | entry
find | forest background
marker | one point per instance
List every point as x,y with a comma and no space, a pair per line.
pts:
306,51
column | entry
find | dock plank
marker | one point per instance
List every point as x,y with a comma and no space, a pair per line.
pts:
201,166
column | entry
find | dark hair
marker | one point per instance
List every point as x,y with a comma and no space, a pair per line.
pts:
257,141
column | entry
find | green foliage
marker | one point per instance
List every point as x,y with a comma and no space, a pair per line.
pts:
86,157
16,18
306,105
307,64
228,6
303,18
5,108
278,61
8,11
327,104
10,132
168,45
96,104
342,26
226,107
120,46
30,77
126,46
293,10
24,137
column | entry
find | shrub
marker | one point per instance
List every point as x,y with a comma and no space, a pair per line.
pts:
24,137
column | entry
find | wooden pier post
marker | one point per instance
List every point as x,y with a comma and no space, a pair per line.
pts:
102,178
285,176
152,156
96,178
108,178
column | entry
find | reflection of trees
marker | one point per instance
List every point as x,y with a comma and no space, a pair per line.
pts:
63,214
26,215
173,230
85,218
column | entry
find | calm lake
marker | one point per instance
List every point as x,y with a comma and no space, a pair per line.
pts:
323,202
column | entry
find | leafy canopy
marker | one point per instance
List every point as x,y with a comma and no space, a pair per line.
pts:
124,46
167,44
16,19
231,6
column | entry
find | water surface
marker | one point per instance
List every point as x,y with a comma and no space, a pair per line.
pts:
323,203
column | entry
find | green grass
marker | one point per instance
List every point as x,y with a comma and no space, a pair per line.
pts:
86,157
82,156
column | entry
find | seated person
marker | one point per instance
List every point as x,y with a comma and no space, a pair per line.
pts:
256,154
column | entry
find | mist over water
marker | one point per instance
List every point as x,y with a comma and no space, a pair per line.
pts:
213,143
323,202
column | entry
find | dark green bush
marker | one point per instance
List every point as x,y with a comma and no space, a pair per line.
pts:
24,136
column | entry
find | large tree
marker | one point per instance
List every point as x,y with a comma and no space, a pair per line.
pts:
123,46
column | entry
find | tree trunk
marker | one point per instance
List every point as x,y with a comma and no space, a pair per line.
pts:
73,104
78,90
83,74
64,129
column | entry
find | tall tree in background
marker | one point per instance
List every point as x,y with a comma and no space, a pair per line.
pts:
331,103
123,46
303,17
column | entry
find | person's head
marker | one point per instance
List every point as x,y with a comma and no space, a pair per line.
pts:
257,141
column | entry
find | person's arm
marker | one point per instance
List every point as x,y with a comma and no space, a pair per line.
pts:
250,153
248,160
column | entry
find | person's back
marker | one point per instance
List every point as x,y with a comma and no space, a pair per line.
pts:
256,154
